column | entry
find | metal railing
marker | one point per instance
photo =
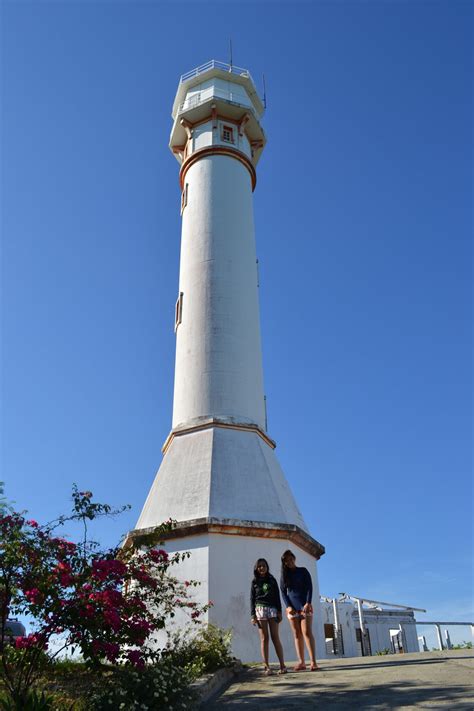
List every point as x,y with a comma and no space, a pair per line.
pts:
214,64
213,92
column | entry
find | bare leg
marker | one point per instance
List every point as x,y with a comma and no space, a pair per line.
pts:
274,632
299,642
309,640
263,632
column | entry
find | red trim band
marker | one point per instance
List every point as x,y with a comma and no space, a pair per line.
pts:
222,151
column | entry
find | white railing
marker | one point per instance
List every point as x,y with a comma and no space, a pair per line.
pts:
213,92
214,64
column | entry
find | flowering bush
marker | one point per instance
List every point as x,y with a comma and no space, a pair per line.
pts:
106,603
161,686
202,653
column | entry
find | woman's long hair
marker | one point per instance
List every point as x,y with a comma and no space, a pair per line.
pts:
256,575
284,569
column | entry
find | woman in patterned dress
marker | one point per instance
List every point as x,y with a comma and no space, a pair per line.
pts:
265,611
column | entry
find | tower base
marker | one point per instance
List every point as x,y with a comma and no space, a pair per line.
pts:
223,563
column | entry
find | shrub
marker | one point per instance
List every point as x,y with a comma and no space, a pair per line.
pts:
203,653
162,686
462,645
165,684
32,702
108,604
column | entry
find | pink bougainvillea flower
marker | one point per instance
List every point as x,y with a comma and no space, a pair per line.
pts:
111,650
65,574
102,569
158,555
141,625
135,658
113,619
33,595
113,598
63,567
63,545
137,603
33,640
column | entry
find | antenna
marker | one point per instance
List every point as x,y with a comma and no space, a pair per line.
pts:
264,93
230,51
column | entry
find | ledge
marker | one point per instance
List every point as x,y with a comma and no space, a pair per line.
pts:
210,685
233,527
211,422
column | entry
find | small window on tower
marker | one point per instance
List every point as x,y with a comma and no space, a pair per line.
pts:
228,134
184,198
178,313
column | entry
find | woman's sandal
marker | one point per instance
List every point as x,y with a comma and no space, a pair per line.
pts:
268,671
283,670
314,667
299,667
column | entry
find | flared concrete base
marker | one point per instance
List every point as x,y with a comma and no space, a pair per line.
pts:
221,470
222,483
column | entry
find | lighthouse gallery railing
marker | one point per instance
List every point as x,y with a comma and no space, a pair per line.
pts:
214,64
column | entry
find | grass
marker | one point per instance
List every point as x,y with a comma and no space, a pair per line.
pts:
69,682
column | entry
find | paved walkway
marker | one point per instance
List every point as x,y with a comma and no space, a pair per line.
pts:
426,680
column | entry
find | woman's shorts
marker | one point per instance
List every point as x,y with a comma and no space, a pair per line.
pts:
265,613
299,615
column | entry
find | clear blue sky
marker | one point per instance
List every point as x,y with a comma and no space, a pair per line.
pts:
363,232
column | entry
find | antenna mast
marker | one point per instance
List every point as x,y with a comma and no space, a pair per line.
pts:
264,93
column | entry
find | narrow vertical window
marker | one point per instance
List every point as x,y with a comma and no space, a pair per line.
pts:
178,312
184,198
228,134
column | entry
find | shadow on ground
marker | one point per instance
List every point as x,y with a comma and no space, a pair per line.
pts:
329,690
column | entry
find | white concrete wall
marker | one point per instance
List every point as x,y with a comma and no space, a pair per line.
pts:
220,473
378,624
411,636
219,88
189,569
346,622
204,135
224,564
240,142
218,352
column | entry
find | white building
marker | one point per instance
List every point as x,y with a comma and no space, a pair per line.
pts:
355,628
219,477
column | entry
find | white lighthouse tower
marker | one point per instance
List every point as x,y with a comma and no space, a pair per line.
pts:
219,478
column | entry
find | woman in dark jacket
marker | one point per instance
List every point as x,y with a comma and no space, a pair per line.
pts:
297,589
265,611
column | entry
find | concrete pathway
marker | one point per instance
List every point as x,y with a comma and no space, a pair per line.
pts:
426,680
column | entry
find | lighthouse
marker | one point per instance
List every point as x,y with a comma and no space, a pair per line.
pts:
219,478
